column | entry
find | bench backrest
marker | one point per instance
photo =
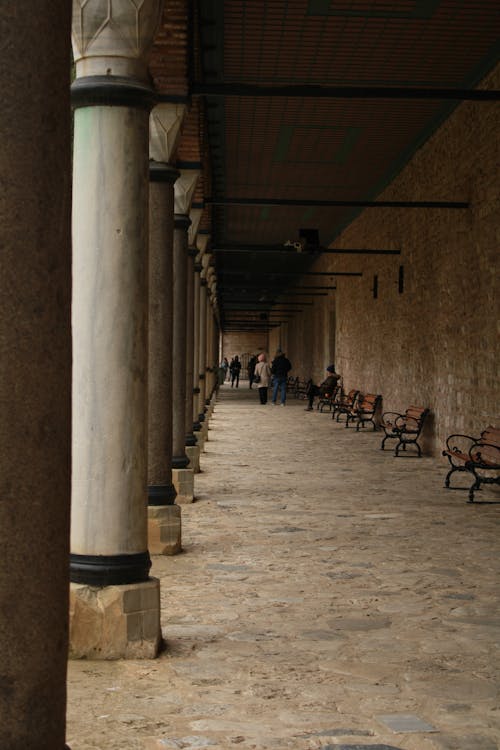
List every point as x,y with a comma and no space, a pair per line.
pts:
415,418
490,435
351,396
370,401
487,449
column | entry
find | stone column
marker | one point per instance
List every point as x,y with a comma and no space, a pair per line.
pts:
203,354
192,447
210,368
196,358
35,367
115,606
182,476
164,518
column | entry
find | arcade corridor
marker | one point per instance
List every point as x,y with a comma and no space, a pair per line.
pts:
327,593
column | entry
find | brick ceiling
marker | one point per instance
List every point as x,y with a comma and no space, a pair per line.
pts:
304,147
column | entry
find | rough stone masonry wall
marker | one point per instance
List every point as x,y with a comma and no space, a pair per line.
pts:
243,343
309,338
436,344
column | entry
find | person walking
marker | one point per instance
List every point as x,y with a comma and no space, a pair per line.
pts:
225,366
326,388
252,362
280,368
262,377
234,369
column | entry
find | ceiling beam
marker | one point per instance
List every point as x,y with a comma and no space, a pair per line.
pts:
223,272
311,250
343,92
335,203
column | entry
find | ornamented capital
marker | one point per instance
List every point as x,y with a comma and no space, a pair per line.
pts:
113,37
165,124
195,215
202,241
184,189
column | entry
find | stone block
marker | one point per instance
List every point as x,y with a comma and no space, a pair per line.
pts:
164,529
115,622
183,481
193,453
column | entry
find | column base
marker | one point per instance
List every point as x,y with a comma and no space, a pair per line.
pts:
183,481
115,622
203,434
164,530
193,453
200,437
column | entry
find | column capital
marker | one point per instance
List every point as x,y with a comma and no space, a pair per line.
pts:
114,39
184,189
165,125
195,215
202,240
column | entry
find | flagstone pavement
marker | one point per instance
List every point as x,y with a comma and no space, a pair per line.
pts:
328,596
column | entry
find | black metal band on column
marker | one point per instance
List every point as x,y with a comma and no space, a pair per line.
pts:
161,494
111,91
162,172
109,570
196,426
198,267
180,462
182,221
191,440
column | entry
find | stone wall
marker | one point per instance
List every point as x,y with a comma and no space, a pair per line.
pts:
436,343
243,342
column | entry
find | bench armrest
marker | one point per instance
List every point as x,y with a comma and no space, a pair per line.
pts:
451,439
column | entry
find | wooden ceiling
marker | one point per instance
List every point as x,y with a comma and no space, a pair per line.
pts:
302,111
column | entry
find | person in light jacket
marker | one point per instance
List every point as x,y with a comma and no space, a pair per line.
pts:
263,375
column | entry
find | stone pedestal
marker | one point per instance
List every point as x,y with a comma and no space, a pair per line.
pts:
193,453
183,481
164,529
115,622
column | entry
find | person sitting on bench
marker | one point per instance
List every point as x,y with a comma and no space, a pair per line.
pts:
327,387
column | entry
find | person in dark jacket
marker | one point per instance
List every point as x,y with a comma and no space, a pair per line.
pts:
234,369
280,368
251,369
326,388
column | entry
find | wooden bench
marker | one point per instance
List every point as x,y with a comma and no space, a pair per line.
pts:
365,410
477,456
329,399
405,428
297,387
345,403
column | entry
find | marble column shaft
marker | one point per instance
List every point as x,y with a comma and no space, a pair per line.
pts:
179,458
110,240
203,349
190,437
196,357
35,363
161,234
